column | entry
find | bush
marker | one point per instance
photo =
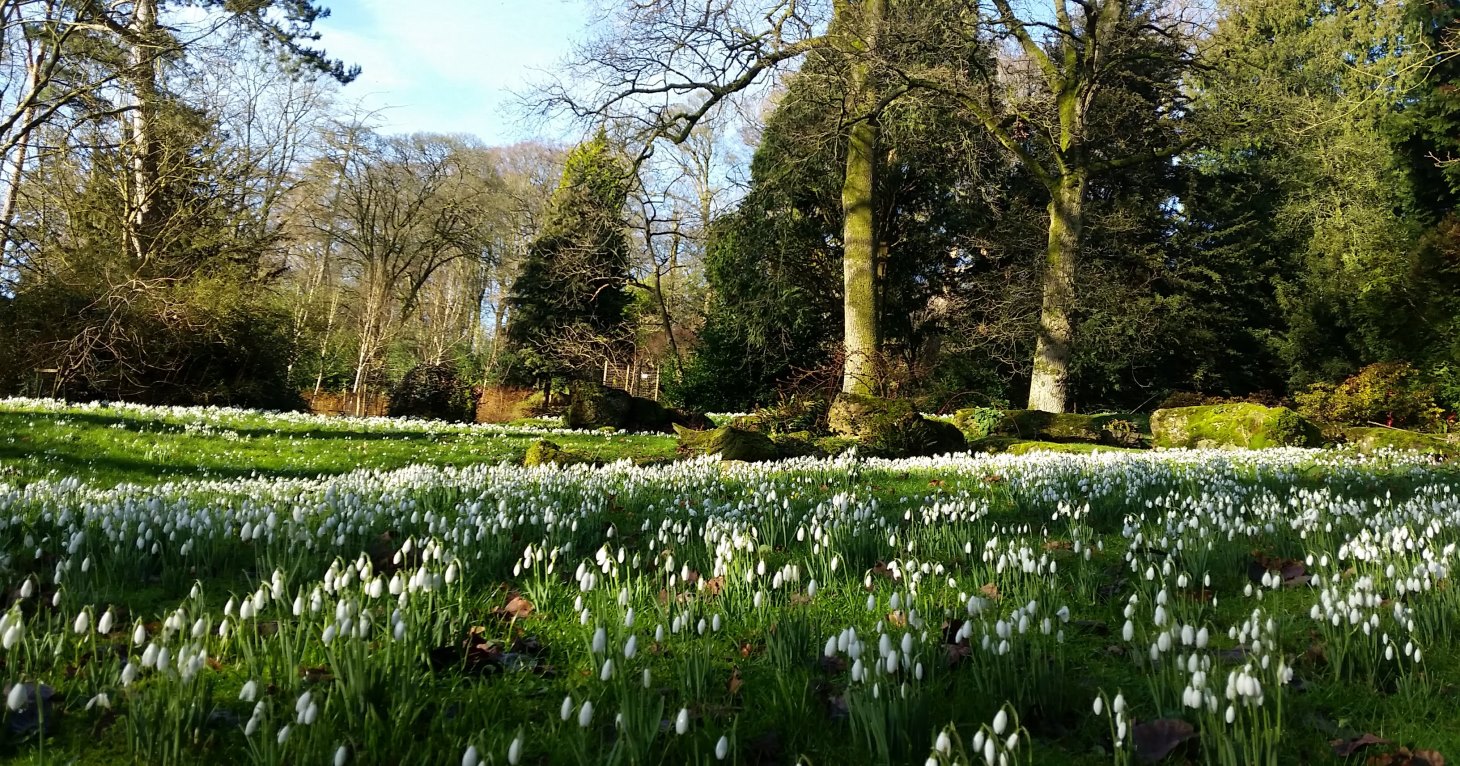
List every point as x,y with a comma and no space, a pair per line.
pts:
1389,393
432,391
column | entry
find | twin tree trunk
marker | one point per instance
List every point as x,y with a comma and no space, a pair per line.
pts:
1049,385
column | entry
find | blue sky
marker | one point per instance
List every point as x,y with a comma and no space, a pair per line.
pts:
450,66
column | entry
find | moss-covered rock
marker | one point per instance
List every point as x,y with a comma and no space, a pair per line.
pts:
544,452
1375,439
1239,425
892,427
831,446
796,444
592,406
977,422
729,442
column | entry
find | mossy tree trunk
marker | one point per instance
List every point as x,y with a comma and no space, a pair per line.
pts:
859,230
1049,385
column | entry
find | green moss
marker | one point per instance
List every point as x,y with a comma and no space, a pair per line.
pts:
544,452
729,442
835,445
1016,446
1240,425
796,444
1374,439
892,427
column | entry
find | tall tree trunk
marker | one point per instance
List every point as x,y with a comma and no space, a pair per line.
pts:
859,262
1049,387
859,236
144,45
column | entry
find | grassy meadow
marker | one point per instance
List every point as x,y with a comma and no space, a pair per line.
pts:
206,586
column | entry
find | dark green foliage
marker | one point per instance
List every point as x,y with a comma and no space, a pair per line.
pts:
432,391
569,301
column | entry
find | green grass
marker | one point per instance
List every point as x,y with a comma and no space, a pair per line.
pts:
107,447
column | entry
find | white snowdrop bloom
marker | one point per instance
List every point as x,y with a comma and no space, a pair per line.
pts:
283,734
722,748
249,692
101,700
566,711
600,641
11,637
82,623
104,625
17,698
514,751
606,672
681,721
342,755
1099,705
1001,722
471,757
943,744
129,674
585,714
631,647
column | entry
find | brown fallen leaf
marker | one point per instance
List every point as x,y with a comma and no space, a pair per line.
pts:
1344,748
991,590
715,585
1157,739
897,619
1406,757
735,681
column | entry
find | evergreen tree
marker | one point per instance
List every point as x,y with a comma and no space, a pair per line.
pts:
567,307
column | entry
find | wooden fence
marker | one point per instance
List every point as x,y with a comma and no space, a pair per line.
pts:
639,379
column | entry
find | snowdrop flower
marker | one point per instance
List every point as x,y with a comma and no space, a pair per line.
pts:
514,751
567,710
607,671
17,698
104,625
101,700
585,714
681,721
82,623
631,647
722,748
943,744
139,635
249,692
600,641
1001,722
470,757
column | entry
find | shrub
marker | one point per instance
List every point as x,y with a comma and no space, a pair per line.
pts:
1388,393
432,391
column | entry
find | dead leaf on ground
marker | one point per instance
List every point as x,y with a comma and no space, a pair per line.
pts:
1292,571
1344,748
897,619
715,585
735,681
1406,757
991,590
1157,739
